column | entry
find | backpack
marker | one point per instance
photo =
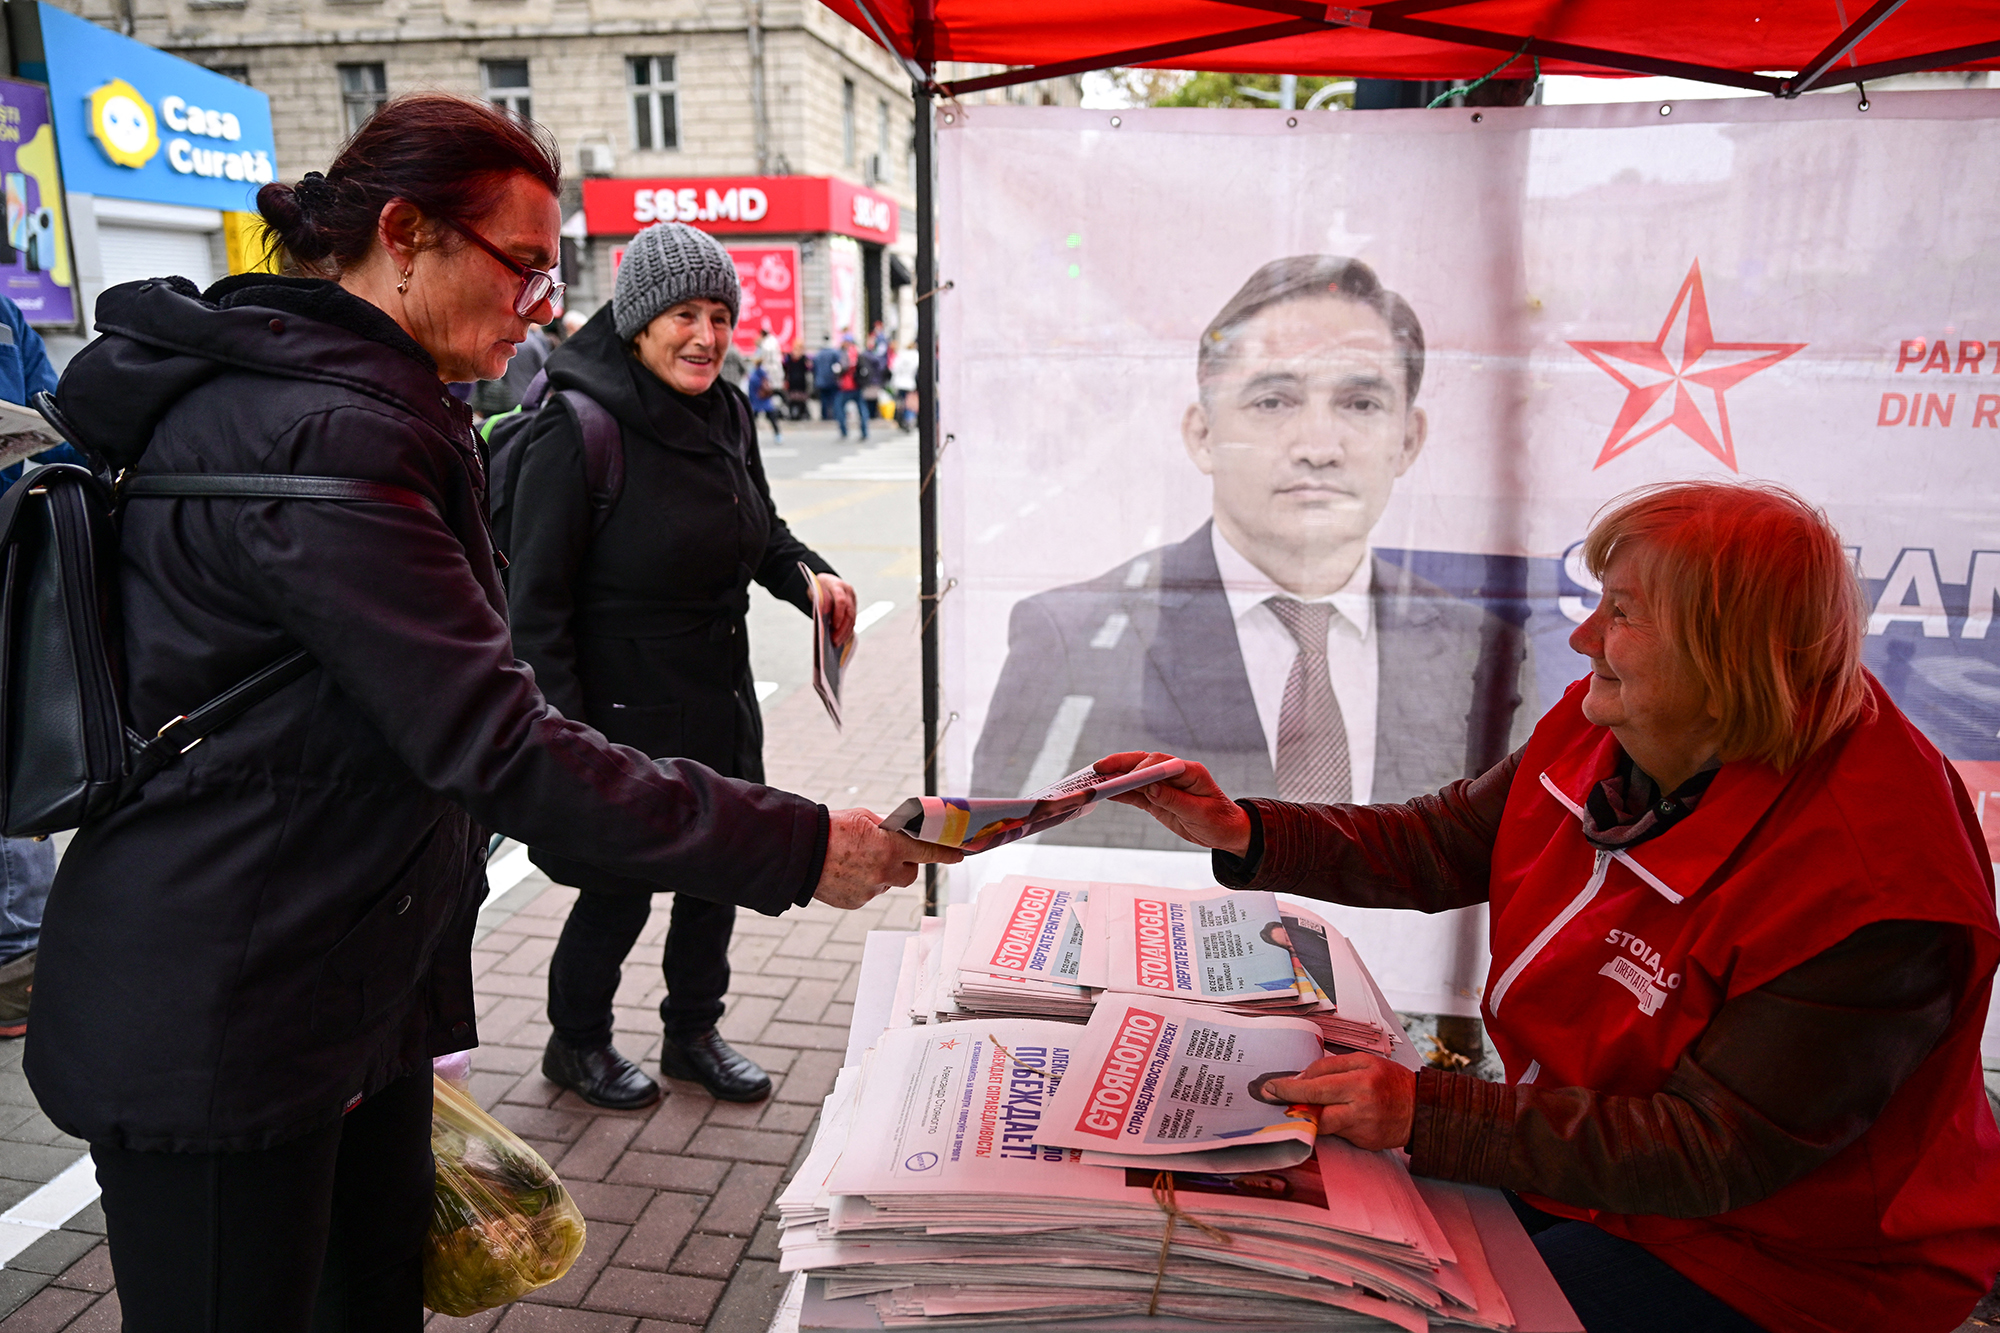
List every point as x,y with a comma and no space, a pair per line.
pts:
506,437
68,754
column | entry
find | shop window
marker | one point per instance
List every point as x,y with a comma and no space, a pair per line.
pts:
847,121
363,90
505,85
655,101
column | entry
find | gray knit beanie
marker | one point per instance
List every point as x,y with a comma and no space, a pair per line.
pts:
666,264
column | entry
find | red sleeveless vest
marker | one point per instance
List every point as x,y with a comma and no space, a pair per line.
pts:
1606,968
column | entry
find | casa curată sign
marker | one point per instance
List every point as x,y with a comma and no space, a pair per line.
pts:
137,123
740,205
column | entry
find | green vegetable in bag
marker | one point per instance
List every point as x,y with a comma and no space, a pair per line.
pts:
501,1223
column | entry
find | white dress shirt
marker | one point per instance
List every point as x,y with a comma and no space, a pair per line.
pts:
1268,651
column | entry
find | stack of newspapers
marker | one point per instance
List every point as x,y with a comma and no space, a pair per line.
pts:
1047,948
1012,1171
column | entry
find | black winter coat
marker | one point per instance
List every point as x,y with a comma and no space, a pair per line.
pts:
281,921
639,628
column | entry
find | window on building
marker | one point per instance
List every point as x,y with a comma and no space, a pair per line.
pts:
363,90
847,121
240,73
882,132
505,85
655,101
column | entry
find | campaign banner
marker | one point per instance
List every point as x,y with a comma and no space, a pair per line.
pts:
769,276
35,269
1221,382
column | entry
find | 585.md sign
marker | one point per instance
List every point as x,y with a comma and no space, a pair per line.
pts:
741,205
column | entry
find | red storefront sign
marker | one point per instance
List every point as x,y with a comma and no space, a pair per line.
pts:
740,205
770,279
769,276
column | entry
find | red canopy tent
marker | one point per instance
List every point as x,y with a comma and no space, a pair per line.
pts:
1782,47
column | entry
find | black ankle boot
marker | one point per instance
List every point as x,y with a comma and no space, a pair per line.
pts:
599,1075
705,1058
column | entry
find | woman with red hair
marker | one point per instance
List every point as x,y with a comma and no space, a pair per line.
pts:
1743,938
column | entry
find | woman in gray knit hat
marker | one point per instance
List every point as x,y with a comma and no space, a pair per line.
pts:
630,608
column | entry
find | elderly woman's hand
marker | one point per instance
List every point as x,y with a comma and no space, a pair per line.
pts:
1364,1099
841,606
1190,805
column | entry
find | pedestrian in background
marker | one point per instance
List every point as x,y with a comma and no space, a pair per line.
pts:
903,380
246,971
27,865
798,382
826,380
763,391
634,621
850,387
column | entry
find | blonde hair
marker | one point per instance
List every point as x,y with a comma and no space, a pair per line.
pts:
1752,583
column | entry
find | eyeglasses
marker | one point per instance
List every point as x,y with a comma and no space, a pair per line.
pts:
537,286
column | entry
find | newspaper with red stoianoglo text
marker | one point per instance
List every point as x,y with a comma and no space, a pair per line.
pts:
1165,1083
928,1170
1211,944
1029,928
979,823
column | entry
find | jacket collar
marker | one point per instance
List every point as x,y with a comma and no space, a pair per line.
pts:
1680,862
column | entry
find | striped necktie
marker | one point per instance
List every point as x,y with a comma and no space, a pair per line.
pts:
1313,764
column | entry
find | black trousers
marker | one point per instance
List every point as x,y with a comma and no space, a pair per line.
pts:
323,1234
1616,1286
601,930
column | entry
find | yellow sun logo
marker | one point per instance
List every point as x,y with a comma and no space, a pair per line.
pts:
122,123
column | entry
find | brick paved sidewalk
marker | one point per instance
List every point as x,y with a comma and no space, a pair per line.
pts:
681,1232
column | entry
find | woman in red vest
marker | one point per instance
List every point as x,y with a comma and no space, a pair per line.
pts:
1743,934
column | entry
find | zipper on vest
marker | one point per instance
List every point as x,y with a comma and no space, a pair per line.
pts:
1550,931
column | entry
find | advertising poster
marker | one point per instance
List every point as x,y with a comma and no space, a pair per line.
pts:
137,123
770,279
34,254
1384,368
843,298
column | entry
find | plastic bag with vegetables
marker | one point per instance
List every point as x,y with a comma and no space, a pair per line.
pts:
501,1223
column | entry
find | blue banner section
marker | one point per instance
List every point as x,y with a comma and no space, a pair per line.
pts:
1930,642
136,123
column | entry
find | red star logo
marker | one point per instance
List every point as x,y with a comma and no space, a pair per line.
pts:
951,1045
1687,360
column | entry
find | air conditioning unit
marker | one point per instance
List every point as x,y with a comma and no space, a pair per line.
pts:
873,171
595,159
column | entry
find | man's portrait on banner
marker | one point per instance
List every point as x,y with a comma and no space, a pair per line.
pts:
1271,644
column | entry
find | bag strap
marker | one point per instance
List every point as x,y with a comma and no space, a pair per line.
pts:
603,453
272,485
183,733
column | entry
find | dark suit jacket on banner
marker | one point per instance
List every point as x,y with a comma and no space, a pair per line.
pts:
1146,657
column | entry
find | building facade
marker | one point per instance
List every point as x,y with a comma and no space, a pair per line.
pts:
682,100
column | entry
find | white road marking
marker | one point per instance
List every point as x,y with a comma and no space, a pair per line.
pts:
871,613
55,1203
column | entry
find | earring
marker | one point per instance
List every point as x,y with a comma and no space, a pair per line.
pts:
403,287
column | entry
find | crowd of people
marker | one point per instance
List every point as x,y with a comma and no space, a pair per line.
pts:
875,377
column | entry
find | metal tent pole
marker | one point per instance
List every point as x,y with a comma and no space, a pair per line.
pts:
927,447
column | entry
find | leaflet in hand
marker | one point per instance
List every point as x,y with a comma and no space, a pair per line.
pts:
1212,944
1168,1084
978,824
23,433
829,658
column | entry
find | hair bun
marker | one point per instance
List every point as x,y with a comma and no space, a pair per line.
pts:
287,210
